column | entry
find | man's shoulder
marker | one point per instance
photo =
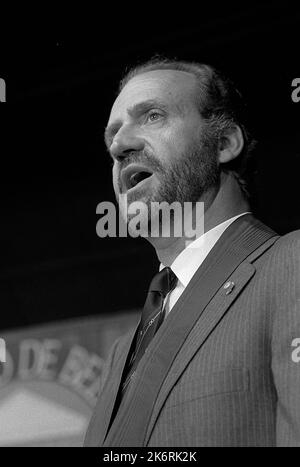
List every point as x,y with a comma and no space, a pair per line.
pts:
286,242
283,256
289,243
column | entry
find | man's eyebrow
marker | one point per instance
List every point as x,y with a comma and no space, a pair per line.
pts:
134,111
142,107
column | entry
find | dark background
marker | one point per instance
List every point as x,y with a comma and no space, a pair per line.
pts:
54,169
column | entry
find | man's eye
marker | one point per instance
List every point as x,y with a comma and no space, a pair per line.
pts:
153,116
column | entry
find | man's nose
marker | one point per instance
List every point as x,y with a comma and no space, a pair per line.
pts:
124,144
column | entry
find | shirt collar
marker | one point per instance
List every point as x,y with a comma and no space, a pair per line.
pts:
191,258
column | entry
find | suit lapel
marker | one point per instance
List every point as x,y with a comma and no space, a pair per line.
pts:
136,415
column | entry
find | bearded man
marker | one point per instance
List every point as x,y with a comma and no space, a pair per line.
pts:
215,359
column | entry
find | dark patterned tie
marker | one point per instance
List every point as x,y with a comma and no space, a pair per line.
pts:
152,317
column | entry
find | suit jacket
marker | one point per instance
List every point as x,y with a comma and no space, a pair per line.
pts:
224,367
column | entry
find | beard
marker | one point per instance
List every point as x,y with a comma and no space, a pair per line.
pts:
190,177
187,179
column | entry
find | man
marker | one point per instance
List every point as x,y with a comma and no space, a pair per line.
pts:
218,363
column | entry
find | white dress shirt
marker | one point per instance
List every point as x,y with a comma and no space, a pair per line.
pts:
191,258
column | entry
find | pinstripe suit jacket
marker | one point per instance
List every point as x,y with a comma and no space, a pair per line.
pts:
224,367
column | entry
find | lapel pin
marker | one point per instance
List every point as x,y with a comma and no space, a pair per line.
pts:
229,286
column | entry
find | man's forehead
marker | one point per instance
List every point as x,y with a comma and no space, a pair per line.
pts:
169,85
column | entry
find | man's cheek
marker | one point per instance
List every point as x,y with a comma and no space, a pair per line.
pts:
177,145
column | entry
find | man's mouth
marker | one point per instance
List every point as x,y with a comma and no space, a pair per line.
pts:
134,175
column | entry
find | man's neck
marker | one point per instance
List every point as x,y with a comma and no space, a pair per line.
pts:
219,206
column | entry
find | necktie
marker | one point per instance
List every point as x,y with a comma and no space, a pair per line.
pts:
152,317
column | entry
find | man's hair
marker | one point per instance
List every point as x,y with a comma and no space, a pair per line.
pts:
220,104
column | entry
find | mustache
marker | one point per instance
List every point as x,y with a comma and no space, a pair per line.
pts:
143,157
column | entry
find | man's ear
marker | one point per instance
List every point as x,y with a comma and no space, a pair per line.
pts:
231,144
